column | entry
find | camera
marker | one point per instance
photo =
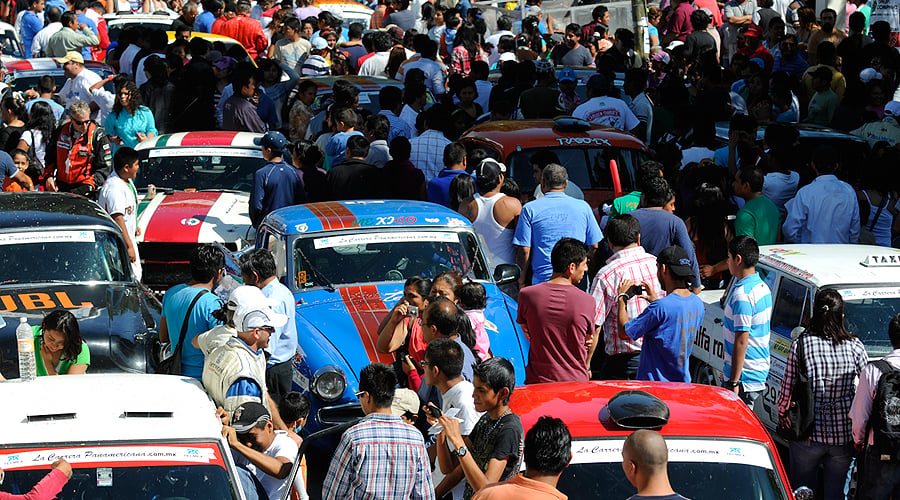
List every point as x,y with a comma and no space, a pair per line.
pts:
635,290
434,411
412,311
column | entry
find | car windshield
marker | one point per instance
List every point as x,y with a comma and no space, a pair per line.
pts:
732,470
589,168
199,168
367,256
29,80
11,46
867,311
65,255
184,472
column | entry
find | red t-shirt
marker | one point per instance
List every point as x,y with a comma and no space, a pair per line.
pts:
560,319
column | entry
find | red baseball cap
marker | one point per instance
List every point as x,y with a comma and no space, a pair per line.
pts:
754,30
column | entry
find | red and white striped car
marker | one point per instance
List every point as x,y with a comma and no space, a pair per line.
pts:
202,183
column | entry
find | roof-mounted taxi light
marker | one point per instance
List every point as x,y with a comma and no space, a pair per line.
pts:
571,124
636,410
882,260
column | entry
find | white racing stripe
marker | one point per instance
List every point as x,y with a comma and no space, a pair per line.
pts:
147,214
228,220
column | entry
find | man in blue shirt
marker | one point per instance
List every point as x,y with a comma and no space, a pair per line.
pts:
32,22
207,269
438,189
547,220
668,325
211,10
258,269
277,184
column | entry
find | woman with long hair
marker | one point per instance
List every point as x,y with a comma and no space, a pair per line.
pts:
708,230
833,358
426,19
33,141
130,121
395,59
14,115
401,330
58,346
654,16
532,35
806,19
466,50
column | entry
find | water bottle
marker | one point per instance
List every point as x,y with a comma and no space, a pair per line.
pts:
25,340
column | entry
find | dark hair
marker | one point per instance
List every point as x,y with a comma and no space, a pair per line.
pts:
379,381
623,230
543,158
260,262
446,355
293,407
753,176
442,315
413,92
454,154
400,149
42,118
63,321
134,101
657,192
382,41
390,97
67,18
355,31
357,146
648,169
462,187
420,283
378,127
567,251
894,331
574,28
344,92
206,260
451,278
504,23
307,153
825,158
124,156
467,37
345,114
746,247
548,446
828,317
497,373
54,15
598,12
15,106
18,152
472,296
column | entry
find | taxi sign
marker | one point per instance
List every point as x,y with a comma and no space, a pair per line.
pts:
884,260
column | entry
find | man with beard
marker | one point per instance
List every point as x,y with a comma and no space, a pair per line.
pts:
827,19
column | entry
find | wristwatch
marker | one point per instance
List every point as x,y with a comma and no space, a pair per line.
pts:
732,384
461,451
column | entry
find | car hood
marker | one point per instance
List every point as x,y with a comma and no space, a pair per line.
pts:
195,217
113,319
346,325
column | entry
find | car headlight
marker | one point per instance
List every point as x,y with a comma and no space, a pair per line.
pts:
329,383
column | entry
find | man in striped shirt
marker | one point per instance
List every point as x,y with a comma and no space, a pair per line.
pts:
747,314
629,261
381,456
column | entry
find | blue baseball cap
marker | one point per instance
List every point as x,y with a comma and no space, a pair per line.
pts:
567,74
272,140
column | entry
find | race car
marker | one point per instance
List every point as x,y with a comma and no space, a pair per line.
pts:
194,188
868,278
63,251
24,74
717,446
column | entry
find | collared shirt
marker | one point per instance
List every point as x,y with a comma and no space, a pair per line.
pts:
39,44
399,127
380,457
283,343
636,265
749,309
825,211
276,185
832,370
67,39
427,152
861,409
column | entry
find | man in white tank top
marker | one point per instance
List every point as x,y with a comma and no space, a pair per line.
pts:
493,214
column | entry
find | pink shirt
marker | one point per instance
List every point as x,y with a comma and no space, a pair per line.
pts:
482,342
46,489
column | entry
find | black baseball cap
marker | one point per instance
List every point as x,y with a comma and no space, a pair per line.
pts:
677,260
249,415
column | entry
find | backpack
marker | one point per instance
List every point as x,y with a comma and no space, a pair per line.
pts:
885,418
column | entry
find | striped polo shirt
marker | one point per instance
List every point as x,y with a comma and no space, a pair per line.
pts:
749,309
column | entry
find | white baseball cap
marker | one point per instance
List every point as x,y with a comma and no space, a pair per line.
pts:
257,314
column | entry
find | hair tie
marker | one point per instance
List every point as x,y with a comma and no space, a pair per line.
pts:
825,307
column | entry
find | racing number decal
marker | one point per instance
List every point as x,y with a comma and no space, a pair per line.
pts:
32,301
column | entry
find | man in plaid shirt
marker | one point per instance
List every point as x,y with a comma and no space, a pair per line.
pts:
629,261
381,456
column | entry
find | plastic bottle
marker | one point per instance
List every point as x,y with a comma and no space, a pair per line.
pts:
25,340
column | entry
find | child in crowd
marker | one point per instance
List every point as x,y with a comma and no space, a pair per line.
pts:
473,300
20,160
294,410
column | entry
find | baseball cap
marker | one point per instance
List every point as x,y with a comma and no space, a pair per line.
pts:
249,415
597,82
244,294
213,56
869,74
257,314
319,43
542,66
72,56
490,168
892,108
225,62
677,260
567,75
754,30
662,57
273,140
534,10
405,400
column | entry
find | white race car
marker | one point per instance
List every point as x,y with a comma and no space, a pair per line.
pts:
194,188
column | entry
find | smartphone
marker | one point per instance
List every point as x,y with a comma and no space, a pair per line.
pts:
434,411
412,311
636,290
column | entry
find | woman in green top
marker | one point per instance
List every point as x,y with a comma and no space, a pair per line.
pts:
58,346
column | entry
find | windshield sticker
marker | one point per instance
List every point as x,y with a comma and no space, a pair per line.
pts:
32,301
217,152
887,292
680,450
104,476
366,238
383,221
47,237
455,222
94,456
577,141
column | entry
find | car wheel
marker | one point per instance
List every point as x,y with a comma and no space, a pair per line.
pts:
702,373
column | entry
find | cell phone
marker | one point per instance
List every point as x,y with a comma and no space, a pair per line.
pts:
636,290
434,411
412,311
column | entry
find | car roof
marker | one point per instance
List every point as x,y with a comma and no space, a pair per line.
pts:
513,135
363,83
806,130
107,407
201,139
115,19
694,410
829,265
46,64
43,209
363,215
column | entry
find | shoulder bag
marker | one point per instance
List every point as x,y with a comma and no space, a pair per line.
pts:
172,364
801,412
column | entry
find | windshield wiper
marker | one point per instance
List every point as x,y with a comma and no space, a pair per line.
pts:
316,271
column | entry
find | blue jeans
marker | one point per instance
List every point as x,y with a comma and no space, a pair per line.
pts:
878,480
252,489
621,366
806,456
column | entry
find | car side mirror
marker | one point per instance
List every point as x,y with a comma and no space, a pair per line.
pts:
506,273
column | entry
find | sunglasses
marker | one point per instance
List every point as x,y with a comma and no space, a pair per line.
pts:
359,394
80,122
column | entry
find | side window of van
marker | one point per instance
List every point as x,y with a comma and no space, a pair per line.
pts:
791,306
572,158
626,160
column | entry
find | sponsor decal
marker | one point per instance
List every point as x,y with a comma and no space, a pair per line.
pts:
172,221
680,450
456,222
34,301
333,215
367,309
384,221
119,456
583,141
887,292
47,237
301,228
366,238
190,221
216,151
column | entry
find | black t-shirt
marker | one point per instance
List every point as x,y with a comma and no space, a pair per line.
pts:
501,439
697,43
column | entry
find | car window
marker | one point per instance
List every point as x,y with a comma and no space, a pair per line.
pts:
199,168
65,255
11,45
573,159
768,276
867,312
791,306
626,161
275,243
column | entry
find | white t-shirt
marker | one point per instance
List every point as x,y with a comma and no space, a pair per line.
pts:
375,65
78,89
282,446
35,140
118,196
458,402
127,58
291,53
643,110
607,111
